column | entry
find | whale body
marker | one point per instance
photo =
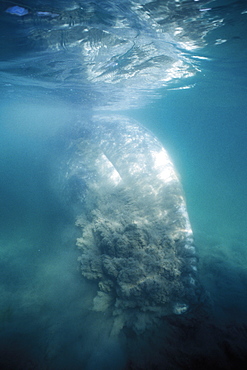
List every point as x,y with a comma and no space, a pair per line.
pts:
136,240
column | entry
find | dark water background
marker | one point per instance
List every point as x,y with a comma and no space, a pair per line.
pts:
45,317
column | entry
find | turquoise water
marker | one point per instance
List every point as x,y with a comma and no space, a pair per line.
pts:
207,141
204,129
46,321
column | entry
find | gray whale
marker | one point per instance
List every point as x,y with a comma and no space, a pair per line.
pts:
136,240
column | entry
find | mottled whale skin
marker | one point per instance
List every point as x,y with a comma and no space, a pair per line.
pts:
136,240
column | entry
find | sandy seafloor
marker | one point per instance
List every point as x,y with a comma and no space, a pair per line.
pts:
45,316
